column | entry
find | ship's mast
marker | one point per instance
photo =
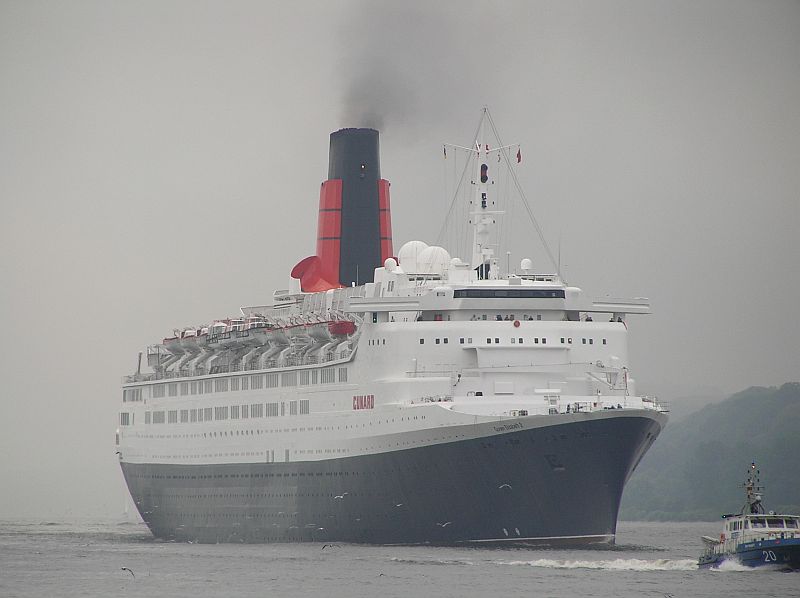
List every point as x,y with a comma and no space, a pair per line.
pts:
483,216
754,491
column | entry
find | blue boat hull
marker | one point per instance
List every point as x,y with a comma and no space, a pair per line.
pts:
778,554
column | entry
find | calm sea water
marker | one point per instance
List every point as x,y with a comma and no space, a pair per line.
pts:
86,559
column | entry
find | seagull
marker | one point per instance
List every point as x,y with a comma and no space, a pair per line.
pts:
445,524
399,504
340,496
324,546
129,571
501,486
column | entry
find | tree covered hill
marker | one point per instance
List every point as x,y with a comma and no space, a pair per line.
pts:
696,468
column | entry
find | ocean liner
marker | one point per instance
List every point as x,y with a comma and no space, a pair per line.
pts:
392,398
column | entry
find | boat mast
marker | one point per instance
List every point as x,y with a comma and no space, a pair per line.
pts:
483,216
753,490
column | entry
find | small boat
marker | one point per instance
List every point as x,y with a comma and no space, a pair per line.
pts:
754,538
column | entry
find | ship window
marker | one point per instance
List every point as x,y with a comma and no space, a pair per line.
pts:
289,379
292,407
220,413
536,341
774,522
538,316
569,341
513,340
158,390
461,340
544,341
207,413
158,417
256,381
314,376
272,380
199,415
234,383
245,383
374,317
759,522
193,387
488,341
124,419
272,410
304,407
746,524
328,376
583,341
245,411
422,341
497,341
208,386
172,417
508,294
437,341
342,374
591,341
173,389
520,340
791,523
234,411
184,388
147,417
220,384
469,340
604,342
193,415
305,379
257,410
562,340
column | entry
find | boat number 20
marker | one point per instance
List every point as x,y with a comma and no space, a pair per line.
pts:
768,556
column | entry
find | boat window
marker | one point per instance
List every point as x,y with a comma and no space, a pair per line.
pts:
774,522
759,522
791,523
746,524
508,294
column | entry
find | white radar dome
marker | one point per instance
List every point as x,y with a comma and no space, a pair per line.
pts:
433,260
390,264
526,265
408,256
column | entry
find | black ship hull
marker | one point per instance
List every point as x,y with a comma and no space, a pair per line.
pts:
554,485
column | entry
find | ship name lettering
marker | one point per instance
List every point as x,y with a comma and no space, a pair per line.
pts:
507,427
363,401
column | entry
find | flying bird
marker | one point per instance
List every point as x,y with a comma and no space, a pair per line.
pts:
340,496
129,571
445,524
399,504
501,486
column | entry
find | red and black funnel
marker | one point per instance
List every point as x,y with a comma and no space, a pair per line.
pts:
354,231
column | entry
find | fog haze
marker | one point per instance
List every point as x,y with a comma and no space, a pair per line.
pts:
160,166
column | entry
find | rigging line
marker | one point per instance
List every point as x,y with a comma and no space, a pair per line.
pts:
458,188
524,199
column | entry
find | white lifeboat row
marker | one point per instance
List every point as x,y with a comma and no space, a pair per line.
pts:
244,340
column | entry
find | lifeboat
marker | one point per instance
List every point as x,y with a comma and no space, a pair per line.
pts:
342,328
173,345
189,340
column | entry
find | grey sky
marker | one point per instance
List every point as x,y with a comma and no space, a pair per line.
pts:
160,166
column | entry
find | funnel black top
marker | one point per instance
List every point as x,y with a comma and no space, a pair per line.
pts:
354,158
